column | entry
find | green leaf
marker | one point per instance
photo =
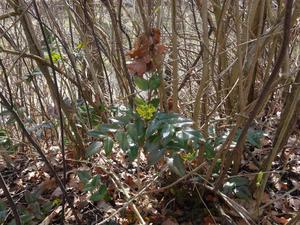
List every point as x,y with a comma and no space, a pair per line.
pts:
3,211
153,127
190,156
108,145
92,184
93,149
176,165
96,133
123,140
259,178
84,176
132,131
238,186
30,197
57,202
209,152
141,83
139,101
194,134
242,192
153,143
54,56
100,194
139,123
106,128
155,102
46,207
167,133
154,82
155,155
133,152
217,166
254,136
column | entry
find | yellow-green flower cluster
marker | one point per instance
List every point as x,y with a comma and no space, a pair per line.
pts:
146,111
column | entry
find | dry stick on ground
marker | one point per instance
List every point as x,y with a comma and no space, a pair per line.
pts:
264,95
40,151
10,200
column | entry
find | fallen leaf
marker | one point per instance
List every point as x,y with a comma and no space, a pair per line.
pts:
170,222
280,220
295,204
208,221
56,193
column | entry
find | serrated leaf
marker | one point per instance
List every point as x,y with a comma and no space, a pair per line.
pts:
108,145
93,149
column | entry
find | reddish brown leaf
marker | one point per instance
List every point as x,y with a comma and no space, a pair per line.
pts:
147,53
280,220
137,68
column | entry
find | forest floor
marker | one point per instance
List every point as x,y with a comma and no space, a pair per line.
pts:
190,201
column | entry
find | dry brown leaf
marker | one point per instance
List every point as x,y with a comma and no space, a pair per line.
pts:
208,221
137,67
295,204
280,220
56,193
147,54
170,222
265,198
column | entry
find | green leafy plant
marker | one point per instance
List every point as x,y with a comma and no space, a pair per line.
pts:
93,185
33,211
161,135
237,186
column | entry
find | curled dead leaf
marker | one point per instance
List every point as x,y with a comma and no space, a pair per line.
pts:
147,54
